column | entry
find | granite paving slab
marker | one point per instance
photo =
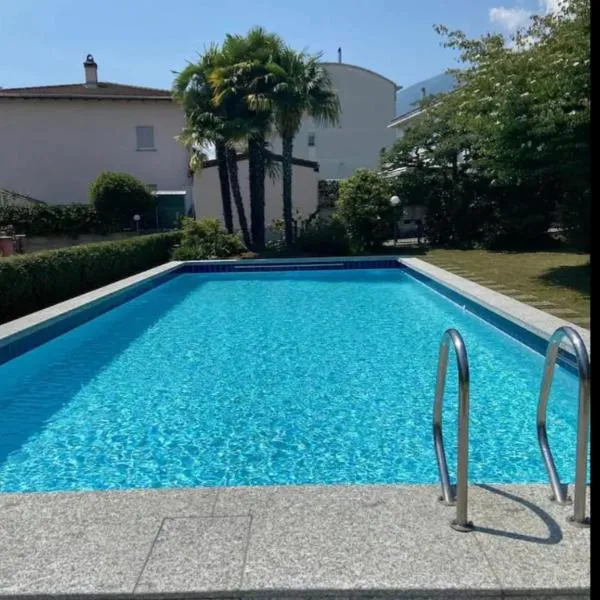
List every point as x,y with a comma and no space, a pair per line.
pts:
200,555
367,538
528,541
390,541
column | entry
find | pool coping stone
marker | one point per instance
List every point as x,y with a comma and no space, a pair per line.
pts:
347,541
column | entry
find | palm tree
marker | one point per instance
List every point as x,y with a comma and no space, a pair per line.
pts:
241,79
301,86
206,125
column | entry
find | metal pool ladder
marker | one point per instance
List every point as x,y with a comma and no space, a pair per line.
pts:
583,423
452,336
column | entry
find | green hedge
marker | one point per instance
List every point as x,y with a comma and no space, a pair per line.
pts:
30,282
42,219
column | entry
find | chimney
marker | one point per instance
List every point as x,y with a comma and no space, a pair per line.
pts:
423,92
91,72
340,55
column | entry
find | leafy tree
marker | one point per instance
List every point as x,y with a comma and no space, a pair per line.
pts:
118,196
519,124
364,208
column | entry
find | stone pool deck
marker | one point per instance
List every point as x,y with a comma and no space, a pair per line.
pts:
290,542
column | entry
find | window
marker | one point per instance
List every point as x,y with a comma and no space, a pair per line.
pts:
311,140
144,137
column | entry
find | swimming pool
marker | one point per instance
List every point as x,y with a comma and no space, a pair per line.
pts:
288,377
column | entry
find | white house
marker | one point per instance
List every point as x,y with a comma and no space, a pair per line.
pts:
55,140
408,113
408,110
367,102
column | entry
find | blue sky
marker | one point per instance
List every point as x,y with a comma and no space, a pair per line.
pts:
140,41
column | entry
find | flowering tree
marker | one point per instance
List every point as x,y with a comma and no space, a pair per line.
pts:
513,139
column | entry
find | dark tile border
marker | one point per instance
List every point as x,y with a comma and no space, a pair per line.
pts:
333,265
63,324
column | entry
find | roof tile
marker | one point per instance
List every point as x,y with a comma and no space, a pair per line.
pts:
79,90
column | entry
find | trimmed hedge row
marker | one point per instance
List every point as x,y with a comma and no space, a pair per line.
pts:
42,219
30,282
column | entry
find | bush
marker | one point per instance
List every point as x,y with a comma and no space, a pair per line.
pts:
328,191
364,209
34,281
323,237
118,196
42,219
206,239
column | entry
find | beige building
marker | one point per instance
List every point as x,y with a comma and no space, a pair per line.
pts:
367,102
55,140
305,178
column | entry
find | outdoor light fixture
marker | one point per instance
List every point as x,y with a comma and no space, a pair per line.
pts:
395,202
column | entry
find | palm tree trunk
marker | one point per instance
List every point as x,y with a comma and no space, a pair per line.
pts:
237,194
221,153
287,153
256,166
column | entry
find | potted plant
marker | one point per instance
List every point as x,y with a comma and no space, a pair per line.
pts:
7,240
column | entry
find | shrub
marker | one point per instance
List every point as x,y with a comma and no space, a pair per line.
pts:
118,196
323,237
42,219
328,191
34,281
206,239
364,209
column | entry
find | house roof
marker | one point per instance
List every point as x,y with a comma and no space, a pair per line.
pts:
407,100
407,117
102,91
349,66
301,162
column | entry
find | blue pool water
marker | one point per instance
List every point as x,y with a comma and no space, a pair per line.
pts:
272,378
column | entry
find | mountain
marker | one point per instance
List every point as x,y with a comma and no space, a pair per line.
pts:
407,98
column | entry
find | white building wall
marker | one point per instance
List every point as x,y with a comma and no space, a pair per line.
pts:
207,193
52,150
367,107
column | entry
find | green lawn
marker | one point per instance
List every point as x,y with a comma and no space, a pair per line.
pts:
557,282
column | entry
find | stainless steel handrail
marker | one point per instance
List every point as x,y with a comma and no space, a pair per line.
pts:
452,336
583,422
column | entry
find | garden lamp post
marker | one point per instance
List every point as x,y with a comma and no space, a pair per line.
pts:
137,218
395,202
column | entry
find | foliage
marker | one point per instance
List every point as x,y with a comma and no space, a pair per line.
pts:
30,282
240,74
206,239
42,219
507,154
208,124
296,84
240,93
322,237
118,196
328,191
364,209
